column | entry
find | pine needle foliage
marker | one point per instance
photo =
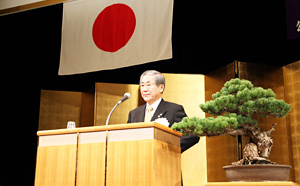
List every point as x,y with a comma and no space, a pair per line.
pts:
233,108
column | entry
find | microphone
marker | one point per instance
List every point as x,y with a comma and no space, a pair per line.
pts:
126,96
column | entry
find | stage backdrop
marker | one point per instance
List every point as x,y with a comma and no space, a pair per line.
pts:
201,163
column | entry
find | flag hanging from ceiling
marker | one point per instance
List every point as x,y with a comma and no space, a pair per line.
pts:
108,34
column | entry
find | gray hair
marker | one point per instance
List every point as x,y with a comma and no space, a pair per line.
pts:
158,77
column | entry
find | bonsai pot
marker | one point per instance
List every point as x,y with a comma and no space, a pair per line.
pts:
257,172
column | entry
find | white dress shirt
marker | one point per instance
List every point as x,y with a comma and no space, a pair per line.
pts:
154,106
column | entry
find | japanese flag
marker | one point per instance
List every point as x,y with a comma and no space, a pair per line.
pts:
107,34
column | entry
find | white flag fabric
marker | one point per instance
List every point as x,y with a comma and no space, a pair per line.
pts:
108,34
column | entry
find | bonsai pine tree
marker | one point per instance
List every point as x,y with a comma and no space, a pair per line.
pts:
234,109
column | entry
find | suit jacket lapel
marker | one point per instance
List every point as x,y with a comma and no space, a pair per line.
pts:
160,111
141,114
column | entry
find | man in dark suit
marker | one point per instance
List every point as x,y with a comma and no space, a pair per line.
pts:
152,85
171,111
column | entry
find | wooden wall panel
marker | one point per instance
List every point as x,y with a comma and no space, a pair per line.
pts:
194,164
220,150
188,90
202,162
87,108
215,80
267,76
59,107
292,97
107,96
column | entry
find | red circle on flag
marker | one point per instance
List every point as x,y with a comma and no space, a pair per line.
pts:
114,27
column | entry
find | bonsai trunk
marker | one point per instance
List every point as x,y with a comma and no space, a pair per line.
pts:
258,149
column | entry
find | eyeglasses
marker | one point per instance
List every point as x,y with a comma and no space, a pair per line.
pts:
146,85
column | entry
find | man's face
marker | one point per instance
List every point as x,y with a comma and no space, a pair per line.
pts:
149,89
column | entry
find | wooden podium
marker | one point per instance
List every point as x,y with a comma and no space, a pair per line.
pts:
127,154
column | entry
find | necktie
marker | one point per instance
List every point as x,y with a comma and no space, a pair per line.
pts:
148,115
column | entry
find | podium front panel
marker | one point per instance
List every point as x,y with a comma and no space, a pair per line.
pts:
143,156
56,160
91,159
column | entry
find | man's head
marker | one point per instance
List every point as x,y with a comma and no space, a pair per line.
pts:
152,85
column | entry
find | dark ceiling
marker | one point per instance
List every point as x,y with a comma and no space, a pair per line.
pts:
206,35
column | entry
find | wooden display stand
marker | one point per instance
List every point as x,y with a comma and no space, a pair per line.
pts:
137,154
280,183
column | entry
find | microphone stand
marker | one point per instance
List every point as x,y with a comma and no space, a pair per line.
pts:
106,141
112,110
